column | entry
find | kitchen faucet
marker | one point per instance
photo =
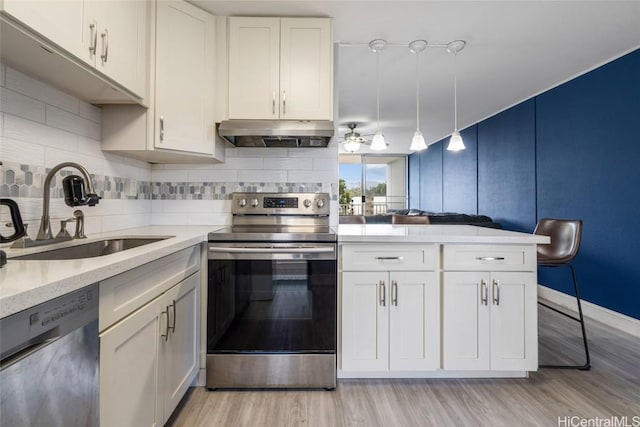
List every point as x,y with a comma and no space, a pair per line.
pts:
44,234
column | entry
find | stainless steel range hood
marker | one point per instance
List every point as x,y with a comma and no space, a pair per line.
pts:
277,133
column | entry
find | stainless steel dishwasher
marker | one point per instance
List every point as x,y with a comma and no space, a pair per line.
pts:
49,363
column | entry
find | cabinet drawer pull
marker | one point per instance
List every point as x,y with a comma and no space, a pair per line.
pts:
399,258
496,292
161,128
173,326
273,103
383,291
93,39
284,102
105,46
394,293
166,330
490,258
484,293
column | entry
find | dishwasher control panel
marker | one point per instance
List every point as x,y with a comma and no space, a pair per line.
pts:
47,321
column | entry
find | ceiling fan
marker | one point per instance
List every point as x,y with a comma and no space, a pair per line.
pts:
353,140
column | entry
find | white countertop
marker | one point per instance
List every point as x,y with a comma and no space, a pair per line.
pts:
25,283
435,233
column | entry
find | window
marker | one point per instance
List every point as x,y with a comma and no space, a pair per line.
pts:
372,184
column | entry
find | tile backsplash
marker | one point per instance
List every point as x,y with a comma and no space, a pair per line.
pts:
41,126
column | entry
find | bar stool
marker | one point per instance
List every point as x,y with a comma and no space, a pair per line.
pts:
565,242
410,219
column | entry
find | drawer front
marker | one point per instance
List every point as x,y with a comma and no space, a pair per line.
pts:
122,294
489,257
389,257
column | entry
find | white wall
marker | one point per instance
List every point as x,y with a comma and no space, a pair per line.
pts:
40,127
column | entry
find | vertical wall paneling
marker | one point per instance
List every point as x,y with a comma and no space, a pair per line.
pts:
431,178
571,152
414,181
587,155
460,175
506,167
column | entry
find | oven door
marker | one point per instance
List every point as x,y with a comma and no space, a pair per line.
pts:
272,298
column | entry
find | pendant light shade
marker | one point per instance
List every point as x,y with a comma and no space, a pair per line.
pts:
378,143
455,143
417,143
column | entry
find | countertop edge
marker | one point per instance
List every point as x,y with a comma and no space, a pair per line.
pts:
107,266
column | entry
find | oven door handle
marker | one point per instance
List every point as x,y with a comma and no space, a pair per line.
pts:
273,250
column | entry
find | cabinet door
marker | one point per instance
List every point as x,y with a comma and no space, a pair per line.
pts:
121,47
466,321
254,45
365,321
180,349
184,116
306,69
60,22
514,322
414,321
129,361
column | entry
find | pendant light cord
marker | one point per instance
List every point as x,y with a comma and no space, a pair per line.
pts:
377,91
417,93
455,91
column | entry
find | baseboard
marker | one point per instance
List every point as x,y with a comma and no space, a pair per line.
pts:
431,374
604,315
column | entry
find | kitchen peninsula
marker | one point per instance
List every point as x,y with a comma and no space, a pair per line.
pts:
437,301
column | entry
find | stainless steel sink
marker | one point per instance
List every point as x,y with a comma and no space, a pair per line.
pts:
93,249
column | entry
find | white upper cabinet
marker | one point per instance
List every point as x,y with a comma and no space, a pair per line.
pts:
179,125
184,78
280,68
60,22
115,40
91,35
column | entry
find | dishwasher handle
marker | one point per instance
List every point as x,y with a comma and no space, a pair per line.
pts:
31,347
273,250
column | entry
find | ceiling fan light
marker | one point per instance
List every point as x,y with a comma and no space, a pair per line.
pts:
417,143
352,146
456,143
378,144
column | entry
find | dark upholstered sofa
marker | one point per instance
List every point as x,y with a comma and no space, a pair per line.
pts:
435,218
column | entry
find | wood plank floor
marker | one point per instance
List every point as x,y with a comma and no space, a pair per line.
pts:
611,388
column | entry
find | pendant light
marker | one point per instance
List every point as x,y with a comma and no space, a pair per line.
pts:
417,143
455,143
378,142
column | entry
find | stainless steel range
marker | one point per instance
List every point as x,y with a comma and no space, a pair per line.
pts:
272,294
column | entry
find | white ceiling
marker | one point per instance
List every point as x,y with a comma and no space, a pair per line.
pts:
515,49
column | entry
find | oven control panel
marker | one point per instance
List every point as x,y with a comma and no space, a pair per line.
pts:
281,204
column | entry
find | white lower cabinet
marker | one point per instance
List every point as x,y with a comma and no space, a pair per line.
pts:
490,321
149,353
390,321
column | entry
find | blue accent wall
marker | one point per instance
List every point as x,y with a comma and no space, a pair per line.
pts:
506,167
571,152
588,167
431,178
460,175
414,182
